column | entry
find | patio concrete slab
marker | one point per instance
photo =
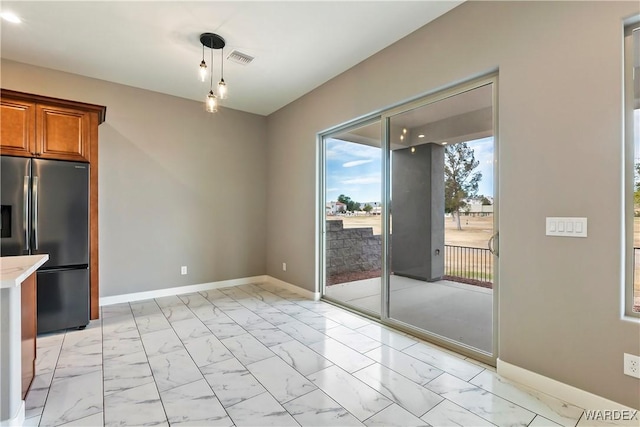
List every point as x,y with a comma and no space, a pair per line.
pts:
452,310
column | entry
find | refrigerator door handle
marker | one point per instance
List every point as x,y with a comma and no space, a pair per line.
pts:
25,213
35,212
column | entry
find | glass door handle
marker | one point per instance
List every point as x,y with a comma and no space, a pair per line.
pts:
493,248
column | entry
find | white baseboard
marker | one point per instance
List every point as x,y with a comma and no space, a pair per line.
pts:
17,419
562,391
138,296
315,296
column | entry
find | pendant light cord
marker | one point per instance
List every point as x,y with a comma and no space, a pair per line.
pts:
211,76
222,64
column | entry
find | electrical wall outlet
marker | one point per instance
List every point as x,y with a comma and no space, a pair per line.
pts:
284,266
632,365
183,270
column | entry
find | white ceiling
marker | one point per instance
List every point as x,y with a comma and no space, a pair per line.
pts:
297,45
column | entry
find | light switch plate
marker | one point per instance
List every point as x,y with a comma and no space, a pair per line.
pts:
566,227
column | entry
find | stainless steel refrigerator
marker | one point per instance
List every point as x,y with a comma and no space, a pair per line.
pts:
45,210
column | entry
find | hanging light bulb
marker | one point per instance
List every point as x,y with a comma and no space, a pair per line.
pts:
222,86
212,103
203,71
222,89
203,67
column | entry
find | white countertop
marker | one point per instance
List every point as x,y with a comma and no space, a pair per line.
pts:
14,269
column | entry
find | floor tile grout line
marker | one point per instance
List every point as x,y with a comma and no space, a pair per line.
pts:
259,382
528,391
443,372
263,385
329,397
53,376
250,373
417,360
470,379
310,349
444,399
492,393
155,383
533,397
241,363
139,333
194,362
386,388
487,392
348,373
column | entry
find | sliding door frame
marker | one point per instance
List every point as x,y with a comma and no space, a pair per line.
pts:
322,220
489,358
385,117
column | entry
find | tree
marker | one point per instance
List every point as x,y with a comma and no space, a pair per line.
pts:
352,205
460,182
367,208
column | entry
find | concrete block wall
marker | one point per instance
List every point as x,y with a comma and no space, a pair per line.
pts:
352,249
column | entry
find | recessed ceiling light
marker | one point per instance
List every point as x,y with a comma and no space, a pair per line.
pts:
11,17
445,143
421,135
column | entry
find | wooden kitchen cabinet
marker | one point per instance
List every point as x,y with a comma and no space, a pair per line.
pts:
51,128
46,128
17,127
29,330
62,133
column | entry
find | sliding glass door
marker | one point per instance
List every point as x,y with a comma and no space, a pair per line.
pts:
352,216
410,218
442,218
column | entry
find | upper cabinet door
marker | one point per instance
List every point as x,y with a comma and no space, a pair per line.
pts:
17,127
62,133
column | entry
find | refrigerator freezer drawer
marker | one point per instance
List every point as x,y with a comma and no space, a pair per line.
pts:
63,299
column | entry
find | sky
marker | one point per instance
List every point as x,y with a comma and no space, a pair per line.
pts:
354,169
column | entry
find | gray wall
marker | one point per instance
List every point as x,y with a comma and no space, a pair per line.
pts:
561,144
177,186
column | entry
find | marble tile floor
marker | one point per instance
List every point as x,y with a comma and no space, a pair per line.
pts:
259,355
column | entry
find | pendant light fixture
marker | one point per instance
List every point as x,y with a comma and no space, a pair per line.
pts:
213,42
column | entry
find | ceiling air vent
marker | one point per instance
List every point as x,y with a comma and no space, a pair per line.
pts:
239,57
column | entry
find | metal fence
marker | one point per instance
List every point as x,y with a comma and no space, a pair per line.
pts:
468,264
